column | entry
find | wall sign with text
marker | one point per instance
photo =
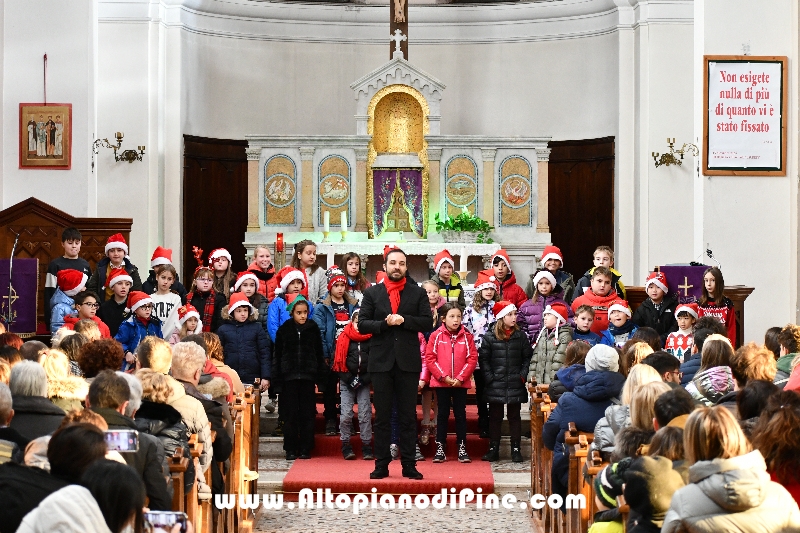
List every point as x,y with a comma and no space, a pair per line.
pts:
745,106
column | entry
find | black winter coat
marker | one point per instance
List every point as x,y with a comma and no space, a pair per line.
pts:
247,347
97,283
356,362
198,300
298,353
22,488
165,423
663,320
505,366
35,416
150,286
690,367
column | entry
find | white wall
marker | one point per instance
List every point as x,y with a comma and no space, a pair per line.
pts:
65,31
751,222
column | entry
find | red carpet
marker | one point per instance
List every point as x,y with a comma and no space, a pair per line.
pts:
328,470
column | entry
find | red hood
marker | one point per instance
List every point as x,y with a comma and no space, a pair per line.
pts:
510,280
600,301
254,266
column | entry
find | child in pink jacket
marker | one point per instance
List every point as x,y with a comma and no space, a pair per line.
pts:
451,357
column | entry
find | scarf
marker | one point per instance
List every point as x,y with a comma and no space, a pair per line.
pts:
394,288
208,308
348,334
627,327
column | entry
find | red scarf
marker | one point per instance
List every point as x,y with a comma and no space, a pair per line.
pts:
208,308
394,288
348,334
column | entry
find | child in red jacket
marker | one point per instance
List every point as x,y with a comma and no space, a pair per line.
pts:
451,357
599,297
715,303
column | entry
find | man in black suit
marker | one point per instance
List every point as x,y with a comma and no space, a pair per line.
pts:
394,312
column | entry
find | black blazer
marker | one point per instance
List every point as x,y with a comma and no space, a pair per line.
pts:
390,344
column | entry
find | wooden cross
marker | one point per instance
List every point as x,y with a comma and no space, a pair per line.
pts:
398,20
685,286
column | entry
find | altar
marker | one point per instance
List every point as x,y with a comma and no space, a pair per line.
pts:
386,183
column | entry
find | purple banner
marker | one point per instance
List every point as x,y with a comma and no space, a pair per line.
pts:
20,300
384,182
685,281
411,186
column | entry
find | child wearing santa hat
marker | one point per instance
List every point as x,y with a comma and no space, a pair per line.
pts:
188,324
290,281
116,250
620,326
162,256
220,261
550,345
248,283
205,299
547,292
166,301
509,290
139,325
552,260
679,343
247,347
449,283
504,357
658,310
112,311
70,282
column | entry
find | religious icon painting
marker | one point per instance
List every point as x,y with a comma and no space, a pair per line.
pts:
45,136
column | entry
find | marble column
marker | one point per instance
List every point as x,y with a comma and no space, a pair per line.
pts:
253,196
361,199
435,203
307,188
543,159
488,155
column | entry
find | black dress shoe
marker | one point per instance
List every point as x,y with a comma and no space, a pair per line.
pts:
304,455
291,456
411,472
380,472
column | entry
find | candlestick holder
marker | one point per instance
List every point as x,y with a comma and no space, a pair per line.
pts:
463,275
344,235
325,235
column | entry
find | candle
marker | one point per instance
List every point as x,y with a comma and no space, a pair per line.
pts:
463,260
344,220
326,217
279,243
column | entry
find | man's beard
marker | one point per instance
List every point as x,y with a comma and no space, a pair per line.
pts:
396,275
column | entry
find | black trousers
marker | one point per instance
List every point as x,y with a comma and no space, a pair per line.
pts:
457,397
480,399
298,408
386,387
330,396
496,420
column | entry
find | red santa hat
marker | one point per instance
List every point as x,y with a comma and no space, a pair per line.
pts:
242,277
117,275
502,254
162,256
238,299
334,275
71,282
552,252
216,254
690,308
116,241
502,308
185,312
658,279
544,274
441,258
136,299
486,280
380,276
288,274
558,310
620,305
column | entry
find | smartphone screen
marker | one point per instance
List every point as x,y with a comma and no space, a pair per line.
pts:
164,521
122,440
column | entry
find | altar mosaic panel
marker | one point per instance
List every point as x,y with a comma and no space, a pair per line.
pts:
280,191
333,188
514,195
461,185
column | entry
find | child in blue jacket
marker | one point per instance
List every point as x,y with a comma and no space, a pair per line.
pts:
290,281
247,347
138,326
70,283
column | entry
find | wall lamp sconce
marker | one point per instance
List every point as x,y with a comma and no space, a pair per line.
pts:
126,155
668,159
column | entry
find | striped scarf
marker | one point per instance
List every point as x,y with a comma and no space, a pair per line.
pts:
208,308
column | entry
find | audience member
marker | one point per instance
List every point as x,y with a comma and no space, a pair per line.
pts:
789,345
691,364
573,369
751,402
71,346
650,483
217,357
12,443
667,366
34,414
668,442
650,337
5,371
33,350
633,352
749,363
714,379
99,355
777,436
10,339
771,341
673,408
10,355
63,389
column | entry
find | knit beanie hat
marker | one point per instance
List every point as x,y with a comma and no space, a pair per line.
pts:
334,275
608,483
71,281
162,256
441,258
116,241
658,279
242,277
602,357
552,252
650,484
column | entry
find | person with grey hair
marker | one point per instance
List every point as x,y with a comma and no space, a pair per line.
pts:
34,415
12,444
135,400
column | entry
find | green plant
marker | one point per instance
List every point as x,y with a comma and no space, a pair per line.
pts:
465,221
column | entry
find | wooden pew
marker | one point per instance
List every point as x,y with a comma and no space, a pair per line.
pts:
554,520
624,510
544,457
177,473
191,507
243,518
537,398
578,520
594,465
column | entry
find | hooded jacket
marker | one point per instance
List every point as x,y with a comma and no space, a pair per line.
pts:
165,423
616,337
61,306
246,346
278,314
67,393
510,291
266,280
600,304
150,286
530,316
584,284
97,283
566,377
711,384
662,320
733,494
505,366
548,355
617,417
451,354
71,509
35,416
455,292
132,331
71,320
326,320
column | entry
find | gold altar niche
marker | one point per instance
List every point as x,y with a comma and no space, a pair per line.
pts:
397,123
